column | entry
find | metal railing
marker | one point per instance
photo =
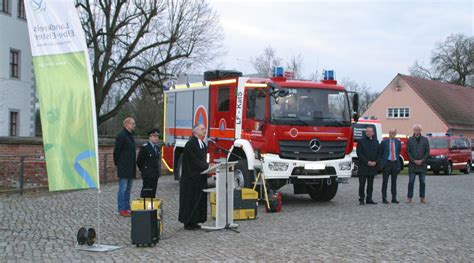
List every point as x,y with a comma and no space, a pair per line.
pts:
37,161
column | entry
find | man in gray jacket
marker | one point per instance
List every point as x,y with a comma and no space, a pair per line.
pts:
418,149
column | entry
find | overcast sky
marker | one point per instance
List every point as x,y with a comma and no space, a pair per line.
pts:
366,41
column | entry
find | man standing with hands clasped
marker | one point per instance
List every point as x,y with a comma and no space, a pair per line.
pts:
368,154
149,163
390,151
418,149
192,200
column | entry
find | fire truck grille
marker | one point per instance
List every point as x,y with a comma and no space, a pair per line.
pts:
300,150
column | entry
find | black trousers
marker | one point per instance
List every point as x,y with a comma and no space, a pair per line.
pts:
370,187
390,170
149,183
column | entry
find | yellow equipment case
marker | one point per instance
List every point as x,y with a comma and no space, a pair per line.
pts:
245,204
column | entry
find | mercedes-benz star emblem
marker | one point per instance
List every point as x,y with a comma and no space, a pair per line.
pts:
315,145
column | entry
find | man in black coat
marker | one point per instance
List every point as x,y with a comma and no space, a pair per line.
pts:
367,152
124,159
390,160
192,200
149,163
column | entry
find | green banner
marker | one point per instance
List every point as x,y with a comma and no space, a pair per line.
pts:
66,118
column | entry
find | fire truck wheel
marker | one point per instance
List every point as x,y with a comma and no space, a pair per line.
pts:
242,175
355,170
178,168
322,193
316,192
330,191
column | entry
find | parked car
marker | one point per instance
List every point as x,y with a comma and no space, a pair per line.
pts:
472,153
448,153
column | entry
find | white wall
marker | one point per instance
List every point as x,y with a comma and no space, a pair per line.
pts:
17,94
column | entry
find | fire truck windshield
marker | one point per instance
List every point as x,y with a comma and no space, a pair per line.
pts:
311,107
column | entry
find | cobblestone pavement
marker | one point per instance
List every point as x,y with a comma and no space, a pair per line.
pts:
42,227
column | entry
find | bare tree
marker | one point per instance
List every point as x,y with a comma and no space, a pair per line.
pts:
366,95
451,61
296,65
265,62
142,43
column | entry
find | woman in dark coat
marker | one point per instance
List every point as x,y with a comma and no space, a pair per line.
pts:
192,200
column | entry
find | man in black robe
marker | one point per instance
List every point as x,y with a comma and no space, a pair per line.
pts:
368,154
192,200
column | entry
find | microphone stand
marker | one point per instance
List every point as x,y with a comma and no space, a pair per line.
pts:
227,225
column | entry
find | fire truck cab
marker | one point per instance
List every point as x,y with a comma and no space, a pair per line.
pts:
294,132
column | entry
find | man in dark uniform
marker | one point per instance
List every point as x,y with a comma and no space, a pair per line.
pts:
149,163
367,152
192,200
124,159
390,152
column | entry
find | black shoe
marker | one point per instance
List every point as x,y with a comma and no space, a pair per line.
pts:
385,201
190,227
371,202
394,201
197,226
361,203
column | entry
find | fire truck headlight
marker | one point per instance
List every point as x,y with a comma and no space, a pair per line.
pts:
278,166
345,166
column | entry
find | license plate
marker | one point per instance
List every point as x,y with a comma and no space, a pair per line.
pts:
315,166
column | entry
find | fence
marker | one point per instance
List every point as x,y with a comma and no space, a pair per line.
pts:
20,172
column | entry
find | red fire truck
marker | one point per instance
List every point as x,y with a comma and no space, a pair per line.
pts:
294,132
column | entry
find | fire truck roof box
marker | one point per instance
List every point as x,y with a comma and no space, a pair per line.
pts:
221,74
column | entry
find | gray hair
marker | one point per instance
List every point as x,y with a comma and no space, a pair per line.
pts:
197,128
417,126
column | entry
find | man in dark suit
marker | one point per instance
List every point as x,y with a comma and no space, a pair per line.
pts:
390,160
418,149
367,152
124,159
149,163
192,200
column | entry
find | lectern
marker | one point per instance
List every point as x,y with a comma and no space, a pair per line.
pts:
224,173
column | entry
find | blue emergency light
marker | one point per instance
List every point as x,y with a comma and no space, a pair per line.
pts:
328,75
278,72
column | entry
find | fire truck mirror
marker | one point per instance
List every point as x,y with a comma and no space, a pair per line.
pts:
355,107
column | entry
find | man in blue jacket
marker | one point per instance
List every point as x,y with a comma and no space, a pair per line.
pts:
368,154
390,160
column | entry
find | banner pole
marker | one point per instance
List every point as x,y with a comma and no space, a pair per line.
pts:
98,216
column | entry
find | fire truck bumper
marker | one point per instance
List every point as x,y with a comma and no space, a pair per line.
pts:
276,168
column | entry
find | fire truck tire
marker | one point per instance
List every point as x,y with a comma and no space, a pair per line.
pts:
355,170
316,192
322,193
178,168
242,171
330,191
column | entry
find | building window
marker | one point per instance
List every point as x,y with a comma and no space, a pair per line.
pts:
223,99
5,6
14,63
398,113
13,123
21,9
